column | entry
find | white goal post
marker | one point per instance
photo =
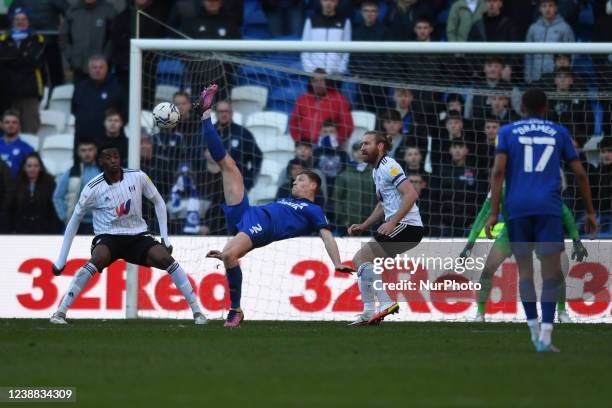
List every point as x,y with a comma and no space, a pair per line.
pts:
140,45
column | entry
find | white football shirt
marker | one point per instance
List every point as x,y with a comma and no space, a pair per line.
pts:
388,175
117,208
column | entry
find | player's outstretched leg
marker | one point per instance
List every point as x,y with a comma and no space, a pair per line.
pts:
233,183
236,248
160,258
100,259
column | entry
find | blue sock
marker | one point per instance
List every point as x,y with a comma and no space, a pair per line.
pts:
213,141
528,298
234,281
550,293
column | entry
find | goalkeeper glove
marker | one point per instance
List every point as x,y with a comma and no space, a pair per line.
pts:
467,251
579,253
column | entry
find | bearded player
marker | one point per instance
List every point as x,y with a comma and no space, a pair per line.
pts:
258,226
401,230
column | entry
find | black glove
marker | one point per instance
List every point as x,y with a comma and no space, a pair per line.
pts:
467,251
56,271
579,253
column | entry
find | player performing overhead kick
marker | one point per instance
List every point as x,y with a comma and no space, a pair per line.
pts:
115,198
258,226
402,228
528,156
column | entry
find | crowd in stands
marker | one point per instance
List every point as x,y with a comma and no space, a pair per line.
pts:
444,141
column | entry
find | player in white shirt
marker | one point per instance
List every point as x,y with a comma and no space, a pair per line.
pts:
402,228
115,199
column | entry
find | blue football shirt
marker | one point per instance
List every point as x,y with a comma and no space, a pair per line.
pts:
14,153
291,217
535,148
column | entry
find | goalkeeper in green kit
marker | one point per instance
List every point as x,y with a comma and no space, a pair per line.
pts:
501,250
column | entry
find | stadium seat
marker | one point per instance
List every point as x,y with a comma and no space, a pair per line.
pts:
171,72
362,122
266,186
164,93
56,153
45,99
268,128
51,122
61,98
70,124
279,156
249,99
30,139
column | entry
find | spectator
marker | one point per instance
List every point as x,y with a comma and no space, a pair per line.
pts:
114,134
499,107
601,186
92,97
21,81
564,61
304,151
326,25
461,17
86,32
453,130
492,81
459,190
411,159
392,124
71,184
240,144
45,16
31,209
316,105
354,192
190,125
329,158
413,119
573,112
424,68
6,195
121,31
419,181
211,21
493,26
13,150
401,19
285,17
371,98
550,27
522,13
183,10
486,142
454,102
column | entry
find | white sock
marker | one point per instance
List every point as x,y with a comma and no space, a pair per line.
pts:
534,328
366,289
179,277
546,333
381,294
79,281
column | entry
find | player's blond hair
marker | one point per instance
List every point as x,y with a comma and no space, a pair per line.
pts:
381,137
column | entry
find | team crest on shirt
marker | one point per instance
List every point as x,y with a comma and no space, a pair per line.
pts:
124,208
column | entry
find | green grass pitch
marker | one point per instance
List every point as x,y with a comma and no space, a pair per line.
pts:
168,363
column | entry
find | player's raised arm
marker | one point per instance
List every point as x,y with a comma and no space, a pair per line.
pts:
377,215
85,202
150,191
332,250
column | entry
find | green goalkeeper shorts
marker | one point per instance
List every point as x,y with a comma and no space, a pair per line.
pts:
502,243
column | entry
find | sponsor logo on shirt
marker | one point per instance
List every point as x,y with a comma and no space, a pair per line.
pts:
124,208
295,206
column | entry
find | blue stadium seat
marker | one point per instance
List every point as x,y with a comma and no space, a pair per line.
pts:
171,72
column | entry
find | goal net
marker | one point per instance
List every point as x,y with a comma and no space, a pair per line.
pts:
284,106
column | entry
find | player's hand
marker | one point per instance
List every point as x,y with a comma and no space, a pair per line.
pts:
386,228
590,225
490,224
214,254
169,248
355,229
344,268
579,253
57,271
467,251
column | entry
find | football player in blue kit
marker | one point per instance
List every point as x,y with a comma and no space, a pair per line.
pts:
528,156
258,226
